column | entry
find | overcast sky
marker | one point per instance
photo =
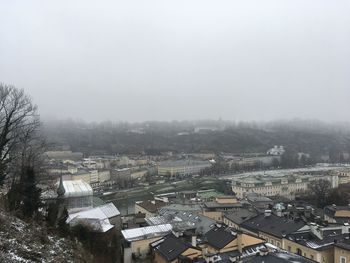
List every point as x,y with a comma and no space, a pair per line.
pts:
166,60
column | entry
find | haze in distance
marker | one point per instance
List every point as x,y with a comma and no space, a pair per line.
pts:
161,60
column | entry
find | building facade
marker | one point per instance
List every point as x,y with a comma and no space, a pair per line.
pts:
182,167
274,186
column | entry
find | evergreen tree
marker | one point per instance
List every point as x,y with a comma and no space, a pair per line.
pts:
62,225
31,193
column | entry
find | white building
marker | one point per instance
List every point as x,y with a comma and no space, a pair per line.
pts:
138,240
101,218
77,195
286,186
276,150
182,167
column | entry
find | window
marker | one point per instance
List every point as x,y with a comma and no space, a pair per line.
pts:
342,260
299,252
289,249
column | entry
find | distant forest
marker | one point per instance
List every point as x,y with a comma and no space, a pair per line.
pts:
313,137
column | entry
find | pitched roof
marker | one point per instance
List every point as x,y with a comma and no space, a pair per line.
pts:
101,213
183,220
340,213
220,205
151,205
97,218
273,225
330,238
109,210
220,236
76,188
170,247
345,244
277,257
240,215
146,232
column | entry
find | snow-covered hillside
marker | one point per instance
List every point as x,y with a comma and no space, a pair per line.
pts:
23,242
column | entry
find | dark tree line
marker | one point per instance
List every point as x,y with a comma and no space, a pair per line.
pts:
156,137
321,194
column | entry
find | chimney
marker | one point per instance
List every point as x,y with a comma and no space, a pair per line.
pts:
219,224
194,241
267,213
176,233
263,252
346,228
235,258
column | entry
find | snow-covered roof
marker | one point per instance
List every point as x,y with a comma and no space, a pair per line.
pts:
103,212
76,188
97,218
96,224
146,232
109,210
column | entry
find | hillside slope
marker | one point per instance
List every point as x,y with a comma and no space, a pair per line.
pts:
23,242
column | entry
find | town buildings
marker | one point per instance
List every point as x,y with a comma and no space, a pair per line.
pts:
276,151
342,251
101,219
120,174
183,220
235,218
149,208
179,247
318,242
286,186
216,208
271,227
337,214
172,249
136,241
182,167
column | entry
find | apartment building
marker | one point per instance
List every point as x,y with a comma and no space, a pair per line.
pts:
286,186
182,167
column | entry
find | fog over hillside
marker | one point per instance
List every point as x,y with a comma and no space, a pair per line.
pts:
308,136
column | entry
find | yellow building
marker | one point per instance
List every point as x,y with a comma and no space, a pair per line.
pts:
278,186
88,176
136,241
182,167
236,218
216,209
342,252
272,228
337,214
324,255
149,207
220,239
171,248
138,174
321,244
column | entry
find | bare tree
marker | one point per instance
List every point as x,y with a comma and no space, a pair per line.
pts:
321,190
19,122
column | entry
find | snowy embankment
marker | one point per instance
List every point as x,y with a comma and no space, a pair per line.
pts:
23,242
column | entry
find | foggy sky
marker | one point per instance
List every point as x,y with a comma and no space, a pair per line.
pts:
166,60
